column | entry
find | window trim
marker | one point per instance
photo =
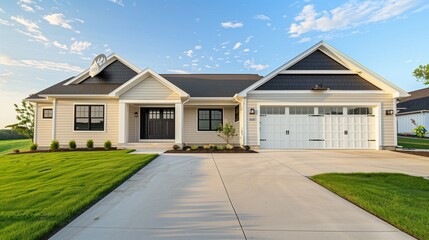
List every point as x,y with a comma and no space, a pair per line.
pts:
237,113
43,113
208,109
90,104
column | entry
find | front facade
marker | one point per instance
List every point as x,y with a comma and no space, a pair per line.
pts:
321,99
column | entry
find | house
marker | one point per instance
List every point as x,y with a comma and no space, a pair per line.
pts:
321,99
413,110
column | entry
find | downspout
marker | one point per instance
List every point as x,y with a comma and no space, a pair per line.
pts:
54,119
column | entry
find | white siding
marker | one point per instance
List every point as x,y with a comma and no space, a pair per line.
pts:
150,89
193,136
133,124
386,101
405,126
44,126
65,123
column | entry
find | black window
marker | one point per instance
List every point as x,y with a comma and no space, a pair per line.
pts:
210,119
47,113
237,113
89,118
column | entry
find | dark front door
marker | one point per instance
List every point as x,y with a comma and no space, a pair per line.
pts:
157,123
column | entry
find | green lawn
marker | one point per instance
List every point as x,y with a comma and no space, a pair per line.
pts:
7,146
43,191
418,143
399,199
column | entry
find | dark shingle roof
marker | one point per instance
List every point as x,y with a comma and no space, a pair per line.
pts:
196,85
418,101
115,73
212,85
308,81
317,61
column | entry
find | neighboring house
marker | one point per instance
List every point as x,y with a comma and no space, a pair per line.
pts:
413,110
321,99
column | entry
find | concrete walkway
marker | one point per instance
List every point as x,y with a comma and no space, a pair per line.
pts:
241,196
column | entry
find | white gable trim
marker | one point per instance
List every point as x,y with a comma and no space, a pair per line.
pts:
141,77
342,59
110,59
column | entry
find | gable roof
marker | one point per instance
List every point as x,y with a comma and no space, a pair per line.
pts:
317,60
339,57
110,59
417,101
212,85
115,73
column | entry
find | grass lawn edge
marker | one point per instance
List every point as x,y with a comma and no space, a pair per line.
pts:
357,205
102,195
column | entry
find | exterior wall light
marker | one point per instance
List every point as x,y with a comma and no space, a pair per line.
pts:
389,112
252,111
136,114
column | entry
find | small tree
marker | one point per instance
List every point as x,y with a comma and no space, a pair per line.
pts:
422,73
25,116
419,129
226,132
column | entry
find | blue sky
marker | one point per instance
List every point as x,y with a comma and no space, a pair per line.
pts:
43,42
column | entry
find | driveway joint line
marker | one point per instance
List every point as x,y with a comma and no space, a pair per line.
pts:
229,198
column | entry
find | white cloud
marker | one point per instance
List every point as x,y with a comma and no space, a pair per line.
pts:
79,46
86,58
44,65
25,1
78,20
305,39
262,17
225,43
1,10
248,39
29,25
189,53
26,8
348,15
246,50
198,47
57,19
237,45
250,64
37,36
108,50
5,22
420,9
59,45
118,2
178,71
233,24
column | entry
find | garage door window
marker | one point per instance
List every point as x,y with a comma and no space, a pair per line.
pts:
359,111
301,110
331,110
272,110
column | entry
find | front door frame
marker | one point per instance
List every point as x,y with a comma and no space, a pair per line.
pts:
143,125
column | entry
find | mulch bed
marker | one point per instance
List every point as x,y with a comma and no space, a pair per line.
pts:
424,154
67,150
235,150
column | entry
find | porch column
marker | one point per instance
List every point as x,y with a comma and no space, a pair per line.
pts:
123,123
178,123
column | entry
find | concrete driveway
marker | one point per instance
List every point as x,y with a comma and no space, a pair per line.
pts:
241,196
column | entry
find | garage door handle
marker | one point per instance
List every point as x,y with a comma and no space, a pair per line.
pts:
287,132
346,132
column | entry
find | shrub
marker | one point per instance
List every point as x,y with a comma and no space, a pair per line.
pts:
220,147
246,147
55,145
186,148
16,151
176,147
212,146
107,145
72,144
229,146
89,144
420,131
226,132
195,147
33,147
206,147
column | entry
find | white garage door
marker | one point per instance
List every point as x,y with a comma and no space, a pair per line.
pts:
327,127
